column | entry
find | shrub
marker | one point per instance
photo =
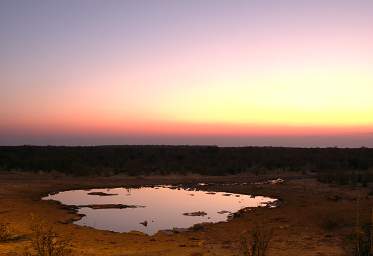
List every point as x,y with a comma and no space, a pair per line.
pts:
331,219
329,223
45,242
256,242
5,233
359,242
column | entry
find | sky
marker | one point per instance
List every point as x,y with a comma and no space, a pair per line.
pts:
228,73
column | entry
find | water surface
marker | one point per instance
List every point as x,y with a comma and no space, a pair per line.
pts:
154,208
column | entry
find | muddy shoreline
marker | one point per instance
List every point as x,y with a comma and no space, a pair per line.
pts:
74,209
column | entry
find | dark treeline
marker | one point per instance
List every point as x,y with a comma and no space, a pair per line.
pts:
211,160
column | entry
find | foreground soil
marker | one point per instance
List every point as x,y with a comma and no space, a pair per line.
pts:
312,218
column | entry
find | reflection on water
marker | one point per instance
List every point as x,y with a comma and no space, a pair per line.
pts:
165,207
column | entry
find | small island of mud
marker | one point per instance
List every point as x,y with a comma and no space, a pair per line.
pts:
101,194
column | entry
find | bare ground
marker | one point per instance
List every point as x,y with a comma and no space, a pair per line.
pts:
298,223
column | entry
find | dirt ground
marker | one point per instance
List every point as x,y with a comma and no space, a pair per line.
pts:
299,223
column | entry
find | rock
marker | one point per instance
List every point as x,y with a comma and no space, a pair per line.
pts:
276,181
273,204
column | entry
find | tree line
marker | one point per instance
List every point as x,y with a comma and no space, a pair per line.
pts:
208,160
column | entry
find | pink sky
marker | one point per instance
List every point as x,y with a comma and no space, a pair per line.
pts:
92,72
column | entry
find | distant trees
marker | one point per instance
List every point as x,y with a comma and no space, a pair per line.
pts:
330,163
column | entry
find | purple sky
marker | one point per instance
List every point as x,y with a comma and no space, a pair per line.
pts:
231,73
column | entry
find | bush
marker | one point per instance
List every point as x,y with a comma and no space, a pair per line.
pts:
359,242
331,219
5,234
45,242
256,242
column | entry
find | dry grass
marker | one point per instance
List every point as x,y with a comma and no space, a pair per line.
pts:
5,233
331,220
340,216
46,242
256,242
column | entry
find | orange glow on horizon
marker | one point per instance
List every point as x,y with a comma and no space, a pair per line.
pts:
248,69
